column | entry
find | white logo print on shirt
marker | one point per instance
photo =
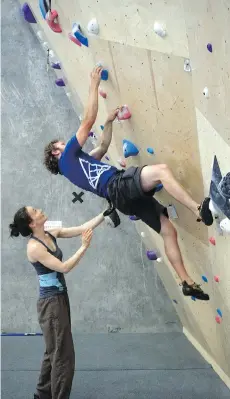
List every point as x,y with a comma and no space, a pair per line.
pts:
93,171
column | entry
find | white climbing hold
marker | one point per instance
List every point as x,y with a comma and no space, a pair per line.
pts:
45,45
225,225
172,212
206,92
93,27
142,234
159,29
68,94
159,260
187,66
214,209
51,54
39,34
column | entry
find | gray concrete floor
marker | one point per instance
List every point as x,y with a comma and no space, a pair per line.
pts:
117,366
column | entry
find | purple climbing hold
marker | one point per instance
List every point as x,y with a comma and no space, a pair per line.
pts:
133,217
56,65
174,300
28,15
107,158
60,82
209,47
151,255
90,134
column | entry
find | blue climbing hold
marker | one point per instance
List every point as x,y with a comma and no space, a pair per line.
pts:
76,31
159,187
209,47
150,150
102,127
193,298
104,74
28,15
204,278
151,255
43,8
133,217
129,149
56,65
219,312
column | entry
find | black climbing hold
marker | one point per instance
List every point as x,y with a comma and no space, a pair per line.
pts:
77,197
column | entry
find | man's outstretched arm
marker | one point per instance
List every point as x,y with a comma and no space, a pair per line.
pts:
106,137
91,109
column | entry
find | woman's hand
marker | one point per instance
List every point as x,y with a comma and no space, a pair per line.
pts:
86,237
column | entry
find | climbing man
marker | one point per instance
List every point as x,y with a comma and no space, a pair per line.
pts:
130,191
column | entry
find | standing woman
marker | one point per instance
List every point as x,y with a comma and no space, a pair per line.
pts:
53,307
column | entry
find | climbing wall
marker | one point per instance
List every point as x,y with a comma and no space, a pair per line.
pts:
169,62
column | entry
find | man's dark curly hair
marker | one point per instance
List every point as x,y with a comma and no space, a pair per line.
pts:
50,161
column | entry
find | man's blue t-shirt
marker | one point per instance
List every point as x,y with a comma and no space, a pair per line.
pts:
83,170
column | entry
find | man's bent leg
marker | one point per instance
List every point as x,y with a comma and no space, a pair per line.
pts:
150,177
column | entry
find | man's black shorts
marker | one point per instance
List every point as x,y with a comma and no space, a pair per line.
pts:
126,194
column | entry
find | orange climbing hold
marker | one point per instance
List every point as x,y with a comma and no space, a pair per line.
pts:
212,240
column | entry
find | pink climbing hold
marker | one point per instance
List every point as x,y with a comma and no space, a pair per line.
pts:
52,21
212,240
217,279
124,113
218,319
102,93
74,39
122,163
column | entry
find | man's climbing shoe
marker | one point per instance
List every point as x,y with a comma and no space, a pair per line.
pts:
111,216
195,291
205,213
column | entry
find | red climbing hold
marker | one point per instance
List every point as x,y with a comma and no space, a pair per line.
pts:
51,19
212,240
102,93
217,279
218,319
74,39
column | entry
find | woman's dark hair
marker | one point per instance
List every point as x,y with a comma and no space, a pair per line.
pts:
50,161
21,223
